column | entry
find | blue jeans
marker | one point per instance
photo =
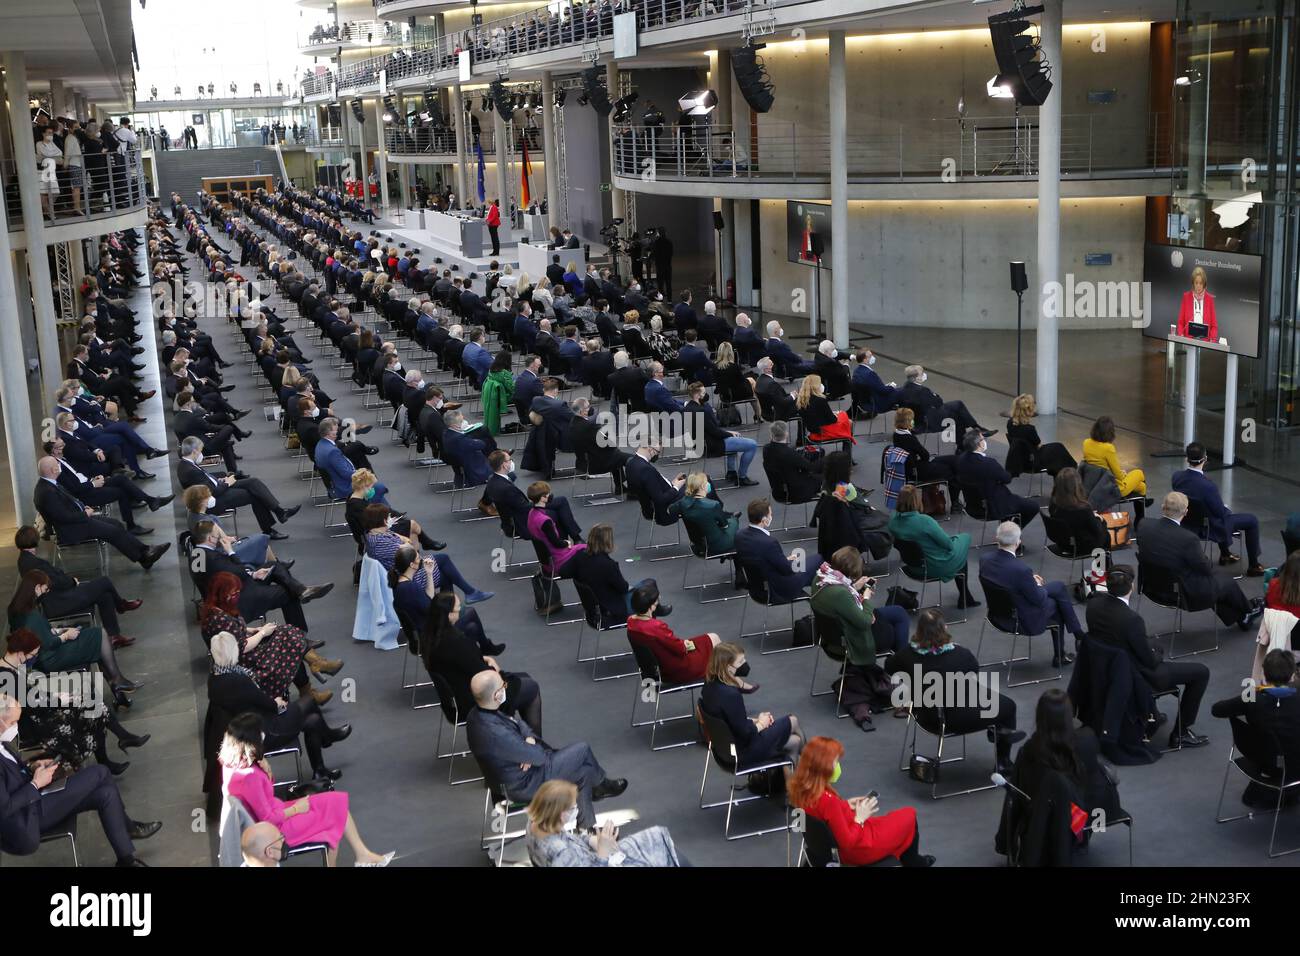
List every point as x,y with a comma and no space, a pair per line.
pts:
747,449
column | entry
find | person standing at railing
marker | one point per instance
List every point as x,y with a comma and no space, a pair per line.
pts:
48,159
126,145
74,163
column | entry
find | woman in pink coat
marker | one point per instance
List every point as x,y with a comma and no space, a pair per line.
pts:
317,818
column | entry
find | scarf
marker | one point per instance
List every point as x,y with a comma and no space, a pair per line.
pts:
827,577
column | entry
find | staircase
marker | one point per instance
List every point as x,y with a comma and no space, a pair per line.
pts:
182,170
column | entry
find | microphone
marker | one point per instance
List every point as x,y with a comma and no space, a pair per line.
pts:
1001,781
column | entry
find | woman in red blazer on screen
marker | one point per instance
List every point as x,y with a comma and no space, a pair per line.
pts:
1198,306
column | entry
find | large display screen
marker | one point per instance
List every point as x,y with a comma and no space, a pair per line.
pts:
1227,313
802,220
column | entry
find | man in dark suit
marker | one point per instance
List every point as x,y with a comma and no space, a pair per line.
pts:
684,316
597,367
834,373
264,588
1038,604
431,424
591,284
555,272
190,422
83,456
628,383
510,501
100,491
788,362
657,396
518,757
931,410
786,574
73,523
775,403
793,474
713,328
233,491
466,452
980,475
69,595
870,392
663,492
1165,544
746,341
27,813
1113,622
1223,523
695,363
528,385
1274,709
598,454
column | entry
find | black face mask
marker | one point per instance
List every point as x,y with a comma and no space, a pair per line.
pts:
654,458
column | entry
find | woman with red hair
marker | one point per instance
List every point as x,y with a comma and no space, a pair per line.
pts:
863,835
277,654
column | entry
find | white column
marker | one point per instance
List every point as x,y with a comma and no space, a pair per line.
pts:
462,143
58,103
725,244
550,149
19,435
381,155
1049,212
839,118
47,335
501,136
742,211
403,169
617,201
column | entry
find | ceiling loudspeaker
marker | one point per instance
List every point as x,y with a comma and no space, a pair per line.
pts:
358,112
501,100
593,85
1021,63
751,77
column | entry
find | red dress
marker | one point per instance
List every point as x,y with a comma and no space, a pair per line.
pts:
885,834
677,664
1273,598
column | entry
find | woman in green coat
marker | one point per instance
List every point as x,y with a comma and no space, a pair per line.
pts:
945,555
498,391
64,648
706,516
842,591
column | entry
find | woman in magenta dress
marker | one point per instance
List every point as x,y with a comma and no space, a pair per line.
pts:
542,527
317,818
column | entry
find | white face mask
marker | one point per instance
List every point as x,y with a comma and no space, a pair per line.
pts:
923,378
314,413
11,732
872,360
510,467
212,503
501,696
571,818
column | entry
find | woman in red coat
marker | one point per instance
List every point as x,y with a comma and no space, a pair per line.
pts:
680,661
1198,306
863,835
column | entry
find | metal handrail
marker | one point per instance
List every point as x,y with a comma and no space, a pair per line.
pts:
110,184
943,150
441,140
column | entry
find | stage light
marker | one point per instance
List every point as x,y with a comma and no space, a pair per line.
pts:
623,107
593,85
701,103
1000,88
582,98
560,96
1234,212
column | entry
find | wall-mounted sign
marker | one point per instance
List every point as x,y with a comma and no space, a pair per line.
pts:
624,35
1096,258
1101,97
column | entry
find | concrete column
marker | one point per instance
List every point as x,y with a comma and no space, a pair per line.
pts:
19,435
725,267
501,136
1049,212
462,143
617,201
381,155
839,117
403,169
47,336
78,105
741,226
550,149
58,100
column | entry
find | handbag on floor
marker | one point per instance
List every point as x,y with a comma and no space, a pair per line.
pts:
546,594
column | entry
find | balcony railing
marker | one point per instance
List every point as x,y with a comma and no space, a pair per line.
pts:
105,185
441,140
941,150
366,33
322,136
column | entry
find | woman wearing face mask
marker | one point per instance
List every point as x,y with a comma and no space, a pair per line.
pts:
707,516
363,495
449,648
758,739
862,834
277,655
543,529
945,555
819,421
382,542
322,817
681,660
553,817
71,726
498,391
251,549
412,579
49,157
65,648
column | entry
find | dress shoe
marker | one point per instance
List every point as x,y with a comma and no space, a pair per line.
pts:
276,535
121,640
372,450
240,475
127,686
495,649
156,453
139,530
1065,660
287,513
338,734
135,740
240,413
137,420
747,482
243,434
1189,738
143,475
364,429
145,396
124,606
316,591
225,364
288,565
1255,571
116,769
1253,615
663,610
475,597
988,432
153,554
436,545
325,773
487,508
226,388
1228,558
137,350
143,831
157,502
609,787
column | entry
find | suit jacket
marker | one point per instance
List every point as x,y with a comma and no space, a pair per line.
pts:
684,317
629,387
468,453
527,387
1112,622
1033,606
760,550
786,359
188,473
510,501
596,368
1276,712
695,364
641,474
81,454
192,423
1197,487
792,474
867,385
63,512
20,810
1176,550
334,464
776,402
500,743
834,374
659,399
990,481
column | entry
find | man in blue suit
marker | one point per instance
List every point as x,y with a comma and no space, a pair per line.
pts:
1039,604
786,575
476,356
657,396
469,454
694,360
980,475
528,385
749,347
786,359
334,464
524,332
869,390
1223,523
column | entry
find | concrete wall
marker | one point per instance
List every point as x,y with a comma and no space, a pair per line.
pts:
909,84
945,263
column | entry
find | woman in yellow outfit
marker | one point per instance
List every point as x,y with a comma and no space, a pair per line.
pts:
1099,450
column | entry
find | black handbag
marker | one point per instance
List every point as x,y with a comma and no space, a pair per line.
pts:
546,594
903,597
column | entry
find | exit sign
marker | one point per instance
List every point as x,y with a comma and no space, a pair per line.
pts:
605,187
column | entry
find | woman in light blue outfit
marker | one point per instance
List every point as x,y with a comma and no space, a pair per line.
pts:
552,840
253,549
